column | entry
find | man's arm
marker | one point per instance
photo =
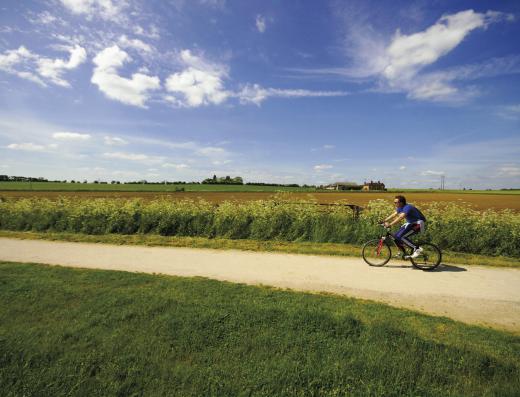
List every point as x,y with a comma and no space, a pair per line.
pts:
392,215
399,218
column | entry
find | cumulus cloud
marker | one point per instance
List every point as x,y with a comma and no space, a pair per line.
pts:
24,63
114,141
134,91
71,136
200,83
106,9
254,93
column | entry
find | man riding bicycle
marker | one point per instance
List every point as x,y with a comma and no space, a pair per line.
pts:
415,223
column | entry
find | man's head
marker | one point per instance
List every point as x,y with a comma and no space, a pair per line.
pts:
399,201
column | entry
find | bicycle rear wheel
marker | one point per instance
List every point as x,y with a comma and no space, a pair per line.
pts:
376,252
429,259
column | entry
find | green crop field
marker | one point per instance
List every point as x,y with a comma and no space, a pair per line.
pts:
101,187
97,333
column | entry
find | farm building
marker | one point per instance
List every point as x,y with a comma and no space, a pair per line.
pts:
373,186
343,186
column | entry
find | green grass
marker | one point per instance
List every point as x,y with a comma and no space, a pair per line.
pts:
193,187
305,248
101,333
95,187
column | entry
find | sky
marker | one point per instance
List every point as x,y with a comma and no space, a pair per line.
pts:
306,92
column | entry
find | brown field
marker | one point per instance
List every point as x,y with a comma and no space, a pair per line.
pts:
477,201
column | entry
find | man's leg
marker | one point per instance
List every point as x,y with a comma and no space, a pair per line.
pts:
402,236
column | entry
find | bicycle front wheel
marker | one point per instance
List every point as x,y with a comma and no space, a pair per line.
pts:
376,252
429,259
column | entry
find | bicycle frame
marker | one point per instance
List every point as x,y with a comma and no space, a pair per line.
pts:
383,239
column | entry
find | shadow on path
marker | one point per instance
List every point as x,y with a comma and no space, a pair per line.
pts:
441,268
449,268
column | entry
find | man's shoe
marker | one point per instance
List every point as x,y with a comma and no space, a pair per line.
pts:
416,253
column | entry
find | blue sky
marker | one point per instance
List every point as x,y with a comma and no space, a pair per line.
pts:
274,91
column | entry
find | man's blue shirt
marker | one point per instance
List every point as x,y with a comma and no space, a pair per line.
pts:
412,213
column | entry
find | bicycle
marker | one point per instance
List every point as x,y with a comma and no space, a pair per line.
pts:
378,252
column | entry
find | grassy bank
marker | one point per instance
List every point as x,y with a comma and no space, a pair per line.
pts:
83,332
246,245
453,227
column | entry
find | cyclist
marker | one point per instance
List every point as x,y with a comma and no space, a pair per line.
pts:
415,223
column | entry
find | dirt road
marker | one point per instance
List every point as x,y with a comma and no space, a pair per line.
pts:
473,294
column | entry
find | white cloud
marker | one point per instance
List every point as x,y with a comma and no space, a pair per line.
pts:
408,54
201,83
126,156
399,64
402,168
134,91
321,167
210,150
106,9
511,112
430,172
260,23
114,141
50,70
257,94
22,56
221,162
135,44
152,33
30,147
176,166
44,18
509,171
71,136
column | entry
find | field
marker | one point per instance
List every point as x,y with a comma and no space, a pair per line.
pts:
84,332
477,200
453,227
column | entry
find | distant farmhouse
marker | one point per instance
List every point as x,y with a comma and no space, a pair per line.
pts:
367,186
374,186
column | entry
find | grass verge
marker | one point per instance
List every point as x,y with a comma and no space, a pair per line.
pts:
246,245
91,332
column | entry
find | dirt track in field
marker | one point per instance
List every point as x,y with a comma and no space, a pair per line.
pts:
472,294
477,201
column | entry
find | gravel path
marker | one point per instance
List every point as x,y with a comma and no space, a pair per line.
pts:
473,294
